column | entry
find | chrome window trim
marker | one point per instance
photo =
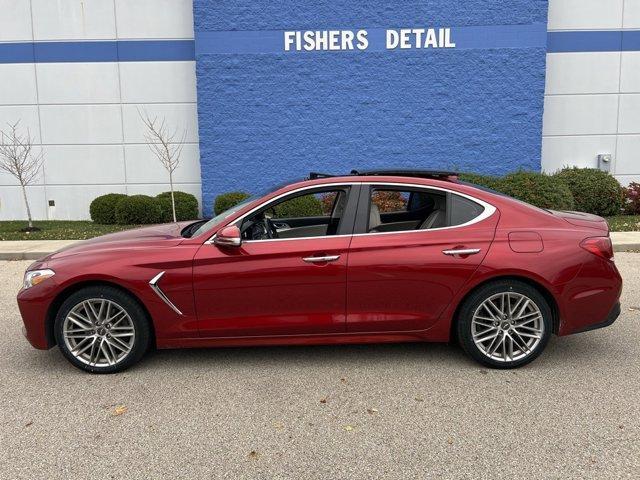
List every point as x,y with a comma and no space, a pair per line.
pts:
488,211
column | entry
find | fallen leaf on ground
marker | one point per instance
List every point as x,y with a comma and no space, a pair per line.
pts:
119,410
278,425
348,428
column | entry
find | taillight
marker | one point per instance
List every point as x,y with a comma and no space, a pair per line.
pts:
600,246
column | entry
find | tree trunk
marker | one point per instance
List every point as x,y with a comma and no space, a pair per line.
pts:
26,202
173,200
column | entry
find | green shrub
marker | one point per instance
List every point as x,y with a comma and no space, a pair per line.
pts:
594,191
225,201
103,208
186,206
544,191
303,206
482,180
138,209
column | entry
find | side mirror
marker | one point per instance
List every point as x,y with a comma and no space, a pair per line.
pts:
228,237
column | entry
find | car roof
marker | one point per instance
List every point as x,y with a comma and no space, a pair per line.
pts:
450,183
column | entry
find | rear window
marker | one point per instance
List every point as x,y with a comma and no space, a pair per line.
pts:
463,210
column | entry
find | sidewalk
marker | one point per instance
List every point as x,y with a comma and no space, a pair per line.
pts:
625,241
35,249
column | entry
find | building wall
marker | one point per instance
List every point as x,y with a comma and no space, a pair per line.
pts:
84,114
266,115
592,98
75,73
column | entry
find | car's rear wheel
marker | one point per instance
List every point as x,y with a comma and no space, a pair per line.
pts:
505,324
101,329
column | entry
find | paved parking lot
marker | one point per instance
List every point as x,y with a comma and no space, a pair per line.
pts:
382,411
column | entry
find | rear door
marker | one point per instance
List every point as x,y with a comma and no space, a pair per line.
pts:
402,276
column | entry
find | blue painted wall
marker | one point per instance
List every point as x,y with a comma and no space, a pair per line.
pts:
268,117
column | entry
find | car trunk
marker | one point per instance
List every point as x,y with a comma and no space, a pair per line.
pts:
580,219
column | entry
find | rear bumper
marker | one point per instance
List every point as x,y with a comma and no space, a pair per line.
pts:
592,299
611,318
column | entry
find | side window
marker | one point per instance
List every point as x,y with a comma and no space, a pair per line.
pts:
298,216
390,200
463,210
393,210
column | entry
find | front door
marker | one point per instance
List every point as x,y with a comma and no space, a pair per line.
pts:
289,275
404,268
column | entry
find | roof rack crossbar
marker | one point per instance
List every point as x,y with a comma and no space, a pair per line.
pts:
316,175
392,172
406,173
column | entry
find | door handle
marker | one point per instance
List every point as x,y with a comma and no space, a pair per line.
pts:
461,251
328,258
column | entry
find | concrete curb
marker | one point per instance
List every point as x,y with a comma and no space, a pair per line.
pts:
625,241
31,249
36,249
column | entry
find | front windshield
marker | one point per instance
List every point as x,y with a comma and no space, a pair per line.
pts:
227,213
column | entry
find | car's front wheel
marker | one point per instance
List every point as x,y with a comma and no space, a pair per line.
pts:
101,329
505,324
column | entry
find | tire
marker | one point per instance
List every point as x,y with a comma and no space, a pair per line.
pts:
101,329
518,340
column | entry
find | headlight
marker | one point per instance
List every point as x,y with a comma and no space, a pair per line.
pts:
34,277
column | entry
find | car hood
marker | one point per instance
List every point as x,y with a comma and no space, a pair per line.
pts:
153,236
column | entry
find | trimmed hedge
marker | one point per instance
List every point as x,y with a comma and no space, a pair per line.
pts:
138,209
186,206
103,208
225,201
543,191
539,189
594,191
483,180
303,206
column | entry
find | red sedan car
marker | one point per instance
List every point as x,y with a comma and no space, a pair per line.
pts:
379,256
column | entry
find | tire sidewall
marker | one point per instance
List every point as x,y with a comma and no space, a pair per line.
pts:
473,302
128,303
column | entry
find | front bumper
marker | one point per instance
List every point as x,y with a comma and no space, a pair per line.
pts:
34,308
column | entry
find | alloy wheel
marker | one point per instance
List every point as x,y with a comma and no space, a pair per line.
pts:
99,332
507,326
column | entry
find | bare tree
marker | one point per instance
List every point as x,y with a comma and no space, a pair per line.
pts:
18,159
166,144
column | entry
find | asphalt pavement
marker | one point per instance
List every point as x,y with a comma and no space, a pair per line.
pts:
369,411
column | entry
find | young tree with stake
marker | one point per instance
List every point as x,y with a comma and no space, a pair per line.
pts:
18,159
166,145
